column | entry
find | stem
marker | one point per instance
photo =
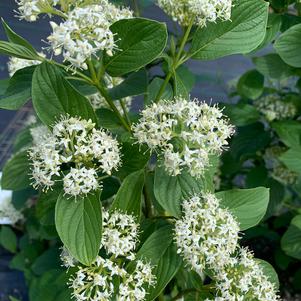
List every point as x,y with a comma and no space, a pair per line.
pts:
110,101
177,61
125,113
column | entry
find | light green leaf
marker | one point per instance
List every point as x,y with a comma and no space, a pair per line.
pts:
184,81
19,51
251,84
272,66
292,159
289,131
53,96
135,84
242,34
139,42
288,46
269,271
128,198
241,114
291,240
79,225
19,89
247,205
16,172
8,239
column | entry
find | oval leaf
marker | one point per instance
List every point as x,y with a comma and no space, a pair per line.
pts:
139,42
79,225
53,96
247,205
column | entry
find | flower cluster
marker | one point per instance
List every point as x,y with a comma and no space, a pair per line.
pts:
187,132
243,279
68,261
98,101
277,169
85,32
8,213
107,278
202,11
30,9
38,133
76,143
16,64
207,235
273,108
120,234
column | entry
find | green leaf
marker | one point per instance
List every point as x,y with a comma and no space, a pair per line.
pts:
291,240
242,34
170,191
19,89
108,119
251,84
241,114
15,38
184,81
19,51
269,271
53,96
3,86
8,239
160,252
292,159
289,131
23,140
154,88
247,205
272,66
16,172
128,198
135,84
139,42
288,46
79,225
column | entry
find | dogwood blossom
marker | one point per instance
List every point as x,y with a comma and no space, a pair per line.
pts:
202,11
120,233
206,235
184,133
9,215
74,141
38,133
274,108
16,64
68,261
86,31
243,279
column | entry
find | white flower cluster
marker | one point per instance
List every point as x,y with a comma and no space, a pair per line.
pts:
74,141
202,11
108,278
9,215
273,108
120,234
86,31
38,133
68,261
186,132
16,64
243,279
207,235
98,101
277,169
30,9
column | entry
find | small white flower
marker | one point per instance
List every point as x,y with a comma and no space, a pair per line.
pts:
274,108
38,133
184,132
202,11
120,233
207,235
9,215
16,64
67,259
85,32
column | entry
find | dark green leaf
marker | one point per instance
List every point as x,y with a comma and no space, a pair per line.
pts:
8,239
269,271
79,225
53,96
154,88
184,81
289,131
241,114
247,205
128,198
19,51
139,42
251,84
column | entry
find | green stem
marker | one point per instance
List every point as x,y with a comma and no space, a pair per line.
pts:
125,113
177,61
